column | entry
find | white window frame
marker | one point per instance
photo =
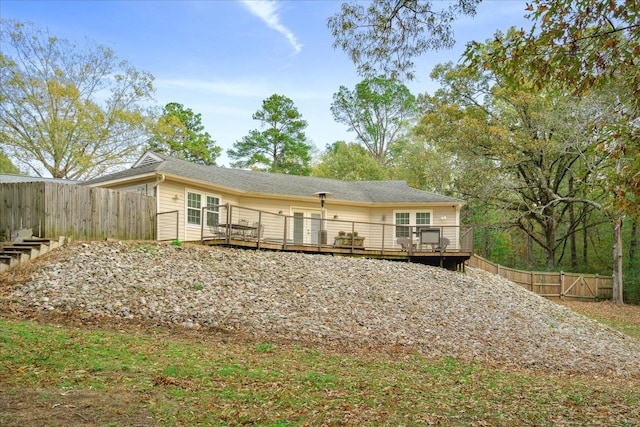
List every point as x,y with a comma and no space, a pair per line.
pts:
402,229
424,212
413,219
204,196
215,212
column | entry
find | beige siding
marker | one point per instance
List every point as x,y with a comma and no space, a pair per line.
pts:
171,207
173,197
378,225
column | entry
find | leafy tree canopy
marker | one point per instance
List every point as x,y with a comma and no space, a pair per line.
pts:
6,166
383,36
422,165
378,110
349,162
71,111
526,152
578,47
179,132
581,46
282,146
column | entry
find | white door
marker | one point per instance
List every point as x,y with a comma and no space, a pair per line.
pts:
306,227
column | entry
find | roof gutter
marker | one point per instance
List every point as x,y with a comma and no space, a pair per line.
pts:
109,183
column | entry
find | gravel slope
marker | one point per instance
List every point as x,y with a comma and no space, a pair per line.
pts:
322,298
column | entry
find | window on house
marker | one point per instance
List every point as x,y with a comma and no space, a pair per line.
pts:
193,208
401,219
141,189
213,214
423,218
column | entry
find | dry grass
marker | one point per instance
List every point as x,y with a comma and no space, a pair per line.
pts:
625,318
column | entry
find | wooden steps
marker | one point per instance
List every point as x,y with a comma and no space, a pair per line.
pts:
16,253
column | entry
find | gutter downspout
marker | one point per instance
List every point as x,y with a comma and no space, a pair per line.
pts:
159,180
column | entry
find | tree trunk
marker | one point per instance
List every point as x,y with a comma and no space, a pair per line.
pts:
550,239
487,243
633,245
585,241
530,249
617,262
572,226
618,291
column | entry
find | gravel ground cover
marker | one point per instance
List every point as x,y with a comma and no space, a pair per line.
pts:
468,316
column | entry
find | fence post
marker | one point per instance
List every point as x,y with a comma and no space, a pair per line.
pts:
531,281
562,285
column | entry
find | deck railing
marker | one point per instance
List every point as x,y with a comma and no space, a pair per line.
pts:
230,222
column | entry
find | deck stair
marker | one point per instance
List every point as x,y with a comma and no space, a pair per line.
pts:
15,253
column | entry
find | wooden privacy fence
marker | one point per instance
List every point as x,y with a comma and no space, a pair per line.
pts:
167,225
85,213
552,284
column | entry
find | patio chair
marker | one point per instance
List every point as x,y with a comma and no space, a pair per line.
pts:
442,245
257,231
218,231
406,243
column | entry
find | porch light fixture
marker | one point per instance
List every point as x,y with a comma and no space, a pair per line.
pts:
322,195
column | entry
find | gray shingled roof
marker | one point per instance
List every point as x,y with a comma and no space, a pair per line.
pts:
16,179
279,184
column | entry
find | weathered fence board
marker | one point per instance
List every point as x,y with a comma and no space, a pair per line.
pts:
85,213
551,284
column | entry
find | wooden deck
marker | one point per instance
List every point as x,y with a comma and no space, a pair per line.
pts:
236,226
453,260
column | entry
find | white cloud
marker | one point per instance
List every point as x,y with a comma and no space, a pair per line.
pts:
242,89
267,11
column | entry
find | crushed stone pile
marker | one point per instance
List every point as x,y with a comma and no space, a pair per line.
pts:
469,316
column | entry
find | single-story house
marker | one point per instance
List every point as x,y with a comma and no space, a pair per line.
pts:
186,189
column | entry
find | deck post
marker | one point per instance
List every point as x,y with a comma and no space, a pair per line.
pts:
284,237
228,224
258,231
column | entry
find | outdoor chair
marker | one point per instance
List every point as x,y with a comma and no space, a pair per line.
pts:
256,231
217,231
406,243
442,245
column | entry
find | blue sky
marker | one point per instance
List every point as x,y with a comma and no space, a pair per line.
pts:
223,58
